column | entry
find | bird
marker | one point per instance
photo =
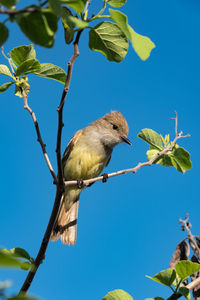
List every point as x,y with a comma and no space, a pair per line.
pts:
87,154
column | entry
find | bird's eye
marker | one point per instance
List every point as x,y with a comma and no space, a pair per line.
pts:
115,127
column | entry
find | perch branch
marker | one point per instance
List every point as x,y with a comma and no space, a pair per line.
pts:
135,169
60,182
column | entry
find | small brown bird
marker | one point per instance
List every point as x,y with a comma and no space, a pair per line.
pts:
85,157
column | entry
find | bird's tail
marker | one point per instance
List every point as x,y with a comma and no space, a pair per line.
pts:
66,223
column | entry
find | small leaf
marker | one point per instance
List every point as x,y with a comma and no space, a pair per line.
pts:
4,34
39,27
20,252
151,137
185,292
22,84
8,3
75,22
183,158
165,277
141,44
116,3
51,71
77,5
22,53
68,29
7,260
5,71
108,39
5,86
117,295
28,66
186,268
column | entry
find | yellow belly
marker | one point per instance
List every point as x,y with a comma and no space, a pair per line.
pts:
83,164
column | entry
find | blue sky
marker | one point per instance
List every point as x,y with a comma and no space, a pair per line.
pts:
128,227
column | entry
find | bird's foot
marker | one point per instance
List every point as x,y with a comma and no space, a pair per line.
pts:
80,183
105,177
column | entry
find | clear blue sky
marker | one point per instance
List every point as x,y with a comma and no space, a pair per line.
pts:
128,227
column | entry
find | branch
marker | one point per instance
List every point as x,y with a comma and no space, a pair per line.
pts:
186,226
190,287
39,138
13,12
60,182
88,182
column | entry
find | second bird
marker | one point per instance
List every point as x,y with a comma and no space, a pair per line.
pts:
87,154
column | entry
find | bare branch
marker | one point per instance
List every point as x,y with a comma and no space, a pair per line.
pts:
39,138
13,12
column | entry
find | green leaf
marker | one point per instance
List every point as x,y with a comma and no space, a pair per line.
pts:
152,138
185,292
7,260
22,53
77,5
165,277
39,27
164,160
185,268
183,158
141,44
5,86
5,71
108,39
51,71
22,84
4,34
68,29
117,295
28,66
116,3
20,252
8,3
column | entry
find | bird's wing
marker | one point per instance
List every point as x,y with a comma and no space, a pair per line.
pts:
70,146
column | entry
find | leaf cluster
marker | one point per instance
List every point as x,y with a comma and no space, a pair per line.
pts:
109,37
177,157
23,62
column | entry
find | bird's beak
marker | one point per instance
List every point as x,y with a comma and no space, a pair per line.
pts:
126,140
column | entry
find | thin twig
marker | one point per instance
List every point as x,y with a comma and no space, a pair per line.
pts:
60,184
39,138
186,225
8,59
13,12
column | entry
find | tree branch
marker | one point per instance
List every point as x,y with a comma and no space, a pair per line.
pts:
13,12
190,287
39,138
60,182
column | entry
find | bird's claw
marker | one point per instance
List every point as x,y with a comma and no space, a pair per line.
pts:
80,183
105,177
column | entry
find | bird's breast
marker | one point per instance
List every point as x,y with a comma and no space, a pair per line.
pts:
84,163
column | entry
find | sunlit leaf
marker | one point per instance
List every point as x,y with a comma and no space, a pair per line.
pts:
116,3
186,268
4,70
22,53
165,277
141,44
108,39
151,137
117,295
5,86
51,71
28,66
